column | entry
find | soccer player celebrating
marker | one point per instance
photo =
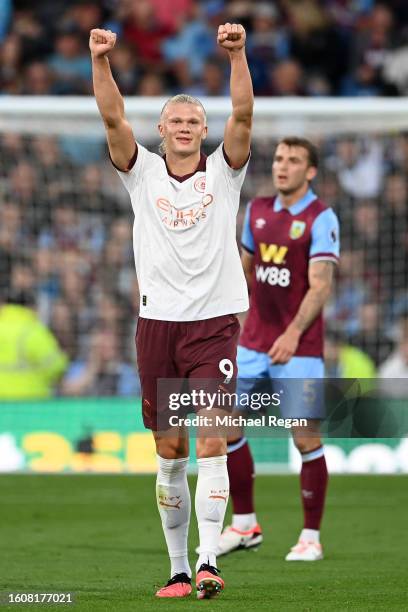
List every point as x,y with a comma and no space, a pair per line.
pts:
191,284
290,245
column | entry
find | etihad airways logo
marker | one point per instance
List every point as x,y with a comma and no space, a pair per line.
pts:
178,219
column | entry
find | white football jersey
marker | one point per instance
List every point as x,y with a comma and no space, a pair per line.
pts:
184,238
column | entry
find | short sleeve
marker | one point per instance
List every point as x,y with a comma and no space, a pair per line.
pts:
144,160
247,239
235,178
325,243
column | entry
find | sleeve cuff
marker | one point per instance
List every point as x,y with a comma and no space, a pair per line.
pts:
228,161
324,257
130,164
244,246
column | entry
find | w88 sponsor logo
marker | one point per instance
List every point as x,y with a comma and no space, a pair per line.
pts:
273,275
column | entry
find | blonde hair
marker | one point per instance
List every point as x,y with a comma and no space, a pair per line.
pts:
179,99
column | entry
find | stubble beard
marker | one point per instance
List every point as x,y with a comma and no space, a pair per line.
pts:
288,191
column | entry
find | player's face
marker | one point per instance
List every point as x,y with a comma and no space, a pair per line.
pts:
290,169
183,128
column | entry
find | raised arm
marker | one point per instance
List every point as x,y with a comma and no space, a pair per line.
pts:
120,137
237,135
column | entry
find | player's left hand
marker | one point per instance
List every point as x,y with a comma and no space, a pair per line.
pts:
231,36
284,347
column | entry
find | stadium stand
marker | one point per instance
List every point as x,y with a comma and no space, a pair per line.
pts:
65,221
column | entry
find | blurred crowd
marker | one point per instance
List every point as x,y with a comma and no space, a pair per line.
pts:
294,47
65,219
66,236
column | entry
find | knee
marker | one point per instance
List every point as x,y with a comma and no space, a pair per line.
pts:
211,447
306,445
235,433
172,448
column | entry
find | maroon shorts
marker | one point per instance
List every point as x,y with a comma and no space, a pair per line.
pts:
180,351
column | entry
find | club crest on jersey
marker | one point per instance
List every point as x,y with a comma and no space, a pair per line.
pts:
260,223
199,184
297,229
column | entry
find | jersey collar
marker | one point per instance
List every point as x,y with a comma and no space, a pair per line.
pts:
298,206
200,168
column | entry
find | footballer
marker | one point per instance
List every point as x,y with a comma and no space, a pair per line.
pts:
290,247
191,284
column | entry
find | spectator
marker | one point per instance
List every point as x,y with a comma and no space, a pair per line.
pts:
6,9
103,373
346,13
10,55
286,79
366,224
111,313
47,282
125,68
170,14
34,33
142,30
352,290
69,229
194,42
315,43
51,165
396,194
396,366
62,325
151,85
352,47
345,361
31,362
91,197
12,149
11,228
70,63
24,188
22,278
370,221
116,269
371,337
266,43
77,294
38,80
11,234
24,183
85,14
360,168
369,52
213,81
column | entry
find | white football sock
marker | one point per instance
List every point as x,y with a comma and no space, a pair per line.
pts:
310,535
244,522
210,505
174,504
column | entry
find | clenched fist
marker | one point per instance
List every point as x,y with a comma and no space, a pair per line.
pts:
231,36
101,42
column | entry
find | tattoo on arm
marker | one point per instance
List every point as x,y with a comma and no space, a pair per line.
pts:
320,281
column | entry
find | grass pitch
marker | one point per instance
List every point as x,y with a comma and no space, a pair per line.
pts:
100,537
